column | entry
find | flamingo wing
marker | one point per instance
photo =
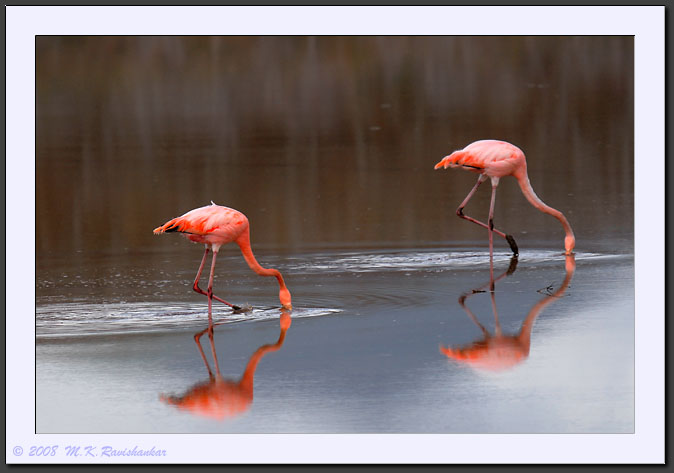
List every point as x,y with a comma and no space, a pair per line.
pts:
213,220
491,157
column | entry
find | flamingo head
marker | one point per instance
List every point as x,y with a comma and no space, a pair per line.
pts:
284,297
569,243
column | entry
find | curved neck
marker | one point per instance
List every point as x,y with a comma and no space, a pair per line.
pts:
244,243
534,200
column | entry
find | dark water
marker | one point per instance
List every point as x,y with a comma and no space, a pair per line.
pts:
328,145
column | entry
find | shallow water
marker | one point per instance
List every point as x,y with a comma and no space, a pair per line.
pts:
327,144
362,353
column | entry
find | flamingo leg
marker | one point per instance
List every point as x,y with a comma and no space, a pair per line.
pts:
209,293
491,233
201,291
459,213
492,285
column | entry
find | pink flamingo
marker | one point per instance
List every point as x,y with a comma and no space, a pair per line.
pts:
214,226
497,159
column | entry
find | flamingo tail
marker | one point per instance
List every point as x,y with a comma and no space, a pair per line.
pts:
457,158
174,225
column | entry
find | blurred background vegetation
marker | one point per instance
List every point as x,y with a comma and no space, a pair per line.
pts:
327,141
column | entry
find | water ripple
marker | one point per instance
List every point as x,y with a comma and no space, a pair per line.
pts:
421,260
321,297
83,319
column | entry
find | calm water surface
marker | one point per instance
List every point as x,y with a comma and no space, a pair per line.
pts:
362,353
328,145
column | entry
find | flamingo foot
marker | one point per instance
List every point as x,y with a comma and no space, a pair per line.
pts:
242,310
513,245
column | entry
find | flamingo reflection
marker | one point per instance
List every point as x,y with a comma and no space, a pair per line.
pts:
500,351
220,398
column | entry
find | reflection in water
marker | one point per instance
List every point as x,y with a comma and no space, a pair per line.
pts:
499,352
219,398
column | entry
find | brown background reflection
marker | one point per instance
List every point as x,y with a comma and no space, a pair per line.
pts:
327,141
